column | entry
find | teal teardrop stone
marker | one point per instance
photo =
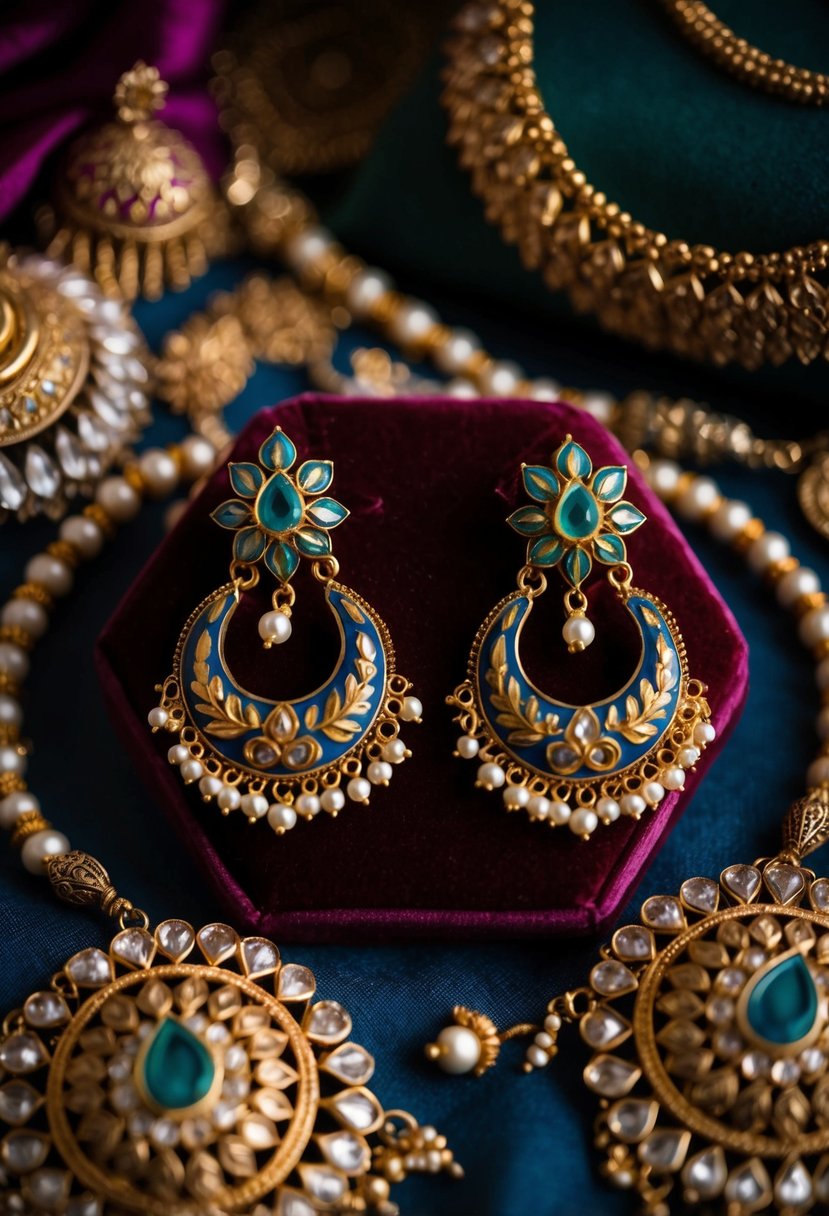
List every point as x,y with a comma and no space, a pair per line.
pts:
178,1070
279,507
577,513
783,1004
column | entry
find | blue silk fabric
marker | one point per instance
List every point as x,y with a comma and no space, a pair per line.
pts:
525,1141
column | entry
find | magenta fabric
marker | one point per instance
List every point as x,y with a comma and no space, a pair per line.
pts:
429,483
61,60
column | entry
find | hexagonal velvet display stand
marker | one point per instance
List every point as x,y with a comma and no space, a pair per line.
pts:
429,484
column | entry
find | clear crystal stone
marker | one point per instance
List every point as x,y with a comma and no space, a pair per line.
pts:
755,1064
296,983
728,1043
140,1122
731,980
748,1184
259,956
22,1151
350,1063
42,473
611,1076
812,1061
793,1185
224,1115
175,939
70,454
324,1184
165,1133
259,1132
124,1097
90,968
610,978
357,1109
22,1053
217,942
235,1089
784,881
742,881
634,942
346,1151
603,1027
235,1058
18,1102
46,1009
664,1150
217,1032
754,957
327,1022
818,892
120,1067
706,1173
632,1119
663,912
275,1073
117,341
294,1203
12,485
94,435
49,1188
785,1072
135,947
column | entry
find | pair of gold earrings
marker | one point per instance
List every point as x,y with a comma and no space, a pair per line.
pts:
579,765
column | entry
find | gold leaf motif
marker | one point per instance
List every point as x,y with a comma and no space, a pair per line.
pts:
649,616
509,617
311,716
353,611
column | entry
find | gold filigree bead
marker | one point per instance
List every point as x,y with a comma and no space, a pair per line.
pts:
386,307
65,552
35,592
10,783
131,474
98,515
26,825
8,685
13,633
9,733
753,530
775,570
805,603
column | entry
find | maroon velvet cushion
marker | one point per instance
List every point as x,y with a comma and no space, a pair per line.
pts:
429,484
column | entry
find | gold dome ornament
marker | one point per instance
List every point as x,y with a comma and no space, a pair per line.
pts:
133,203
73,384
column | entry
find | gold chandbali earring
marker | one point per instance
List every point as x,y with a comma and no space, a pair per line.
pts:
579,764
266,757
134,204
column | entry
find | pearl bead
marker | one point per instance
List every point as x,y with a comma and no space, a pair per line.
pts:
117,497
197,457
395,751
191,770
501,379
467,747
818,771
584,822
608,810
544,389
653,793
255,806
460,1049
769,548
32,618
599,405
178,754
814,627
455,353
159,472
664,476
51,573
798,582
688,757
307,247
515,797
379,772
12,761
412,322
491,776
210,787
552,1024
704,733
281,818
539,807
823,723
632,805
274,628
41,845
560,813
673,779
83,533
308,805
698,499
15,804
365,289
14,662
332,800
459,387
411,709
358,789
157,717
11,712
578,632
729,519
229,798
537,1056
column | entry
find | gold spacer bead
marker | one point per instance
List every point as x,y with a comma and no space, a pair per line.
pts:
98,515
776,570
10,783
13,633
8,685
26,825
36,592
437,336
805,603
753,530
64,551
174,452
385,307
477,363
683,484
821,651
132,476
9,734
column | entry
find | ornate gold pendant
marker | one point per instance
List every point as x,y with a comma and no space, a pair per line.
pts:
191,1072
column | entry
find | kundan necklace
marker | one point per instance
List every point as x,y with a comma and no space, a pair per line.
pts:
707,1022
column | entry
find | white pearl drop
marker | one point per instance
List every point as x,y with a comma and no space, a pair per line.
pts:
358,789
501,379
769,548
537,1056
255,806
229,798
365,289
197,457
814,626
538,807
11,711
552,1024
491,776
467,747
608,810
50,572
308,804
688,757
583,822
653,793
545,389
673,779
698,499
12,761
379,772
461,387
41,845
274,628
210,787
159,472
798,582
281,818
515,797
412,323
307,247
704,733
178,754
14,662
578,632
453,356
15,804
394,751
117,497
460,1049
664,476
599,405
411,709
332,800
560,813
157,717
632,805
191,770
83,533
32,618
729,519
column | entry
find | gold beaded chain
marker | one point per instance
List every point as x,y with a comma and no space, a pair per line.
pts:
748,64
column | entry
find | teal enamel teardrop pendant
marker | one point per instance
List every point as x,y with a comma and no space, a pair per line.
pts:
176,1070
781,1004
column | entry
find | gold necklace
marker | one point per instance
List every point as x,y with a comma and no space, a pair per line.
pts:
746,308
702,27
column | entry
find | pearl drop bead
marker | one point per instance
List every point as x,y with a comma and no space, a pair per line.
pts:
560,813
460,1049
537,1056
281,818
515,797
454,354
117,497
255,806
729,519
197,457
704,733
358,789
814,627
32,618
157,717
699,498
191,770
688,757
178,754
12,761
552,1024
599,405
798,582
578,632
412,322
394,751
274,628
11,712
653,793
15,804
632,805
41,845
365,289
673,779
229,798
210,787
460,387
501,379
159,472
818,771
51,573
823,723
608,810
584,822
769,548
307,247
83,533
491,776
545,389
14,662
539,807
664,476
467,747
379,772
332,800
542,1039
308,804
411,709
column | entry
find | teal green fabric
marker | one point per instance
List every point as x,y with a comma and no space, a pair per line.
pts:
661,130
